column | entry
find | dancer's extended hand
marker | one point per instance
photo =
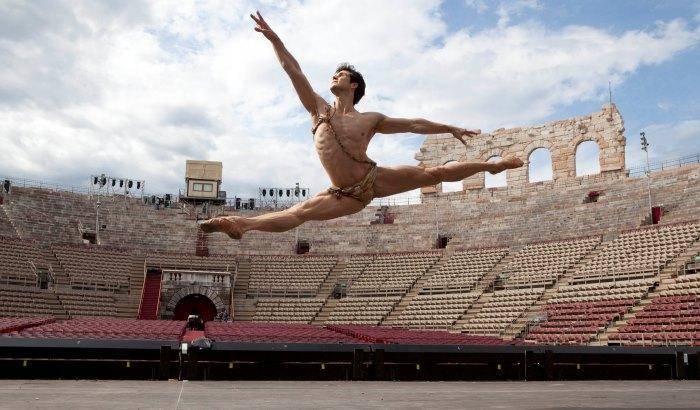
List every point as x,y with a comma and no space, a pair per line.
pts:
462,133
263,27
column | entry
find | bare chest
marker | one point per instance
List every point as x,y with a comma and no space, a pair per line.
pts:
351,131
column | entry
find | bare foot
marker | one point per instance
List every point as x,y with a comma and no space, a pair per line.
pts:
508,162
230,225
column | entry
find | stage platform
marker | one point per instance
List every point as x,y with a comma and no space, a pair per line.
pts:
46,358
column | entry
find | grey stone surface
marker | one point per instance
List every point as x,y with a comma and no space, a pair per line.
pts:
283,394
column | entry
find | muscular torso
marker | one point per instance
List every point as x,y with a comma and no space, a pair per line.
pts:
354,130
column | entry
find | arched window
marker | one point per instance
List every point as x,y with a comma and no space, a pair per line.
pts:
540,165
495,181
452,186
587,158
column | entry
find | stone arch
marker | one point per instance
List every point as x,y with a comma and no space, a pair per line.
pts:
498,180
580,171
195,289
457,186
543,159
578,140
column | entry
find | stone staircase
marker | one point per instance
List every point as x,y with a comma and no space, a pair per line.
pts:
667,276
240,288
326,287
6,220
325,311
243,308
484,284
417,286
473,310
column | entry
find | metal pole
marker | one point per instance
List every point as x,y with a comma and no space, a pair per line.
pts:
645,147
97,217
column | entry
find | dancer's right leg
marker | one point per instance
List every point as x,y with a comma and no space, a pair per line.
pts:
322,207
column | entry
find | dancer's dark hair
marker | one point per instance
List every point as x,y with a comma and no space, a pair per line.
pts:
355,77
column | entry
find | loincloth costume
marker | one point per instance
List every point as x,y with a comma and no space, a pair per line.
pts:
362,191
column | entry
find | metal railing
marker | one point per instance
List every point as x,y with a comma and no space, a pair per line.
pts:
664,165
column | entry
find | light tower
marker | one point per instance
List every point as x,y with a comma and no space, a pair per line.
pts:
645,148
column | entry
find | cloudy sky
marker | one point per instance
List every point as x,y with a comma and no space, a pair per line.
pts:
134,88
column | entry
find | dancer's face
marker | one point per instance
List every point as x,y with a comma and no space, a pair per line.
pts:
341,82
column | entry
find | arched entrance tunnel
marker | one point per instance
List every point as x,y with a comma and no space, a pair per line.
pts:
195,304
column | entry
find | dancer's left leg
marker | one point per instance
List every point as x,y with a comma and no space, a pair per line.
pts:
395,180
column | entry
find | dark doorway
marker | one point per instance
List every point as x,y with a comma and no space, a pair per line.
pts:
195,304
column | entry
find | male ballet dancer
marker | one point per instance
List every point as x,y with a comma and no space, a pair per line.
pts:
341,135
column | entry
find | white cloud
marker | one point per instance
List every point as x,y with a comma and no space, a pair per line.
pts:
134,88
508,9
479,5
666,141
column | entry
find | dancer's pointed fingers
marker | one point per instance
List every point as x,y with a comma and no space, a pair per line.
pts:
255,19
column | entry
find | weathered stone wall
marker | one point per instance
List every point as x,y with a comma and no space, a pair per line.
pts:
561,138
518,214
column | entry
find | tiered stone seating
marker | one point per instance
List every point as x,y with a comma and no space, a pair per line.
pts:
501,310
288,275
87,303
393,273
631,289
274,333
464,269
435,311
17,257
105,328
95,268
28,301
6,228
387,335
542,264
50,216
354,267
363,310
683,285
287,310
671,318
579,312
639,254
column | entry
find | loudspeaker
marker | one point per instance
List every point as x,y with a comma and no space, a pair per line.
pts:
130,183
238,203
251,203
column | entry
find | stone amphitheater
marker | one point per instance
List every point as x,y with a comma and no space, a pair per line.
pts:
575,260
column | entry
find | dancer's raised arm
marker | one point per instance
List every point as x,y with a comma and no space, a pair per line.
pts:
388,125
309,99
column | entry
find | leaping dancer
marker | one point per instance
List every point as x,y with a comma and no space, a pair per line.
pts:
341,135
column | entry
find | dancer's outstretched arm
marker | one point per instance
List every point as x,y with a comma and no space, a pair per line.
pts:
388,125
309,99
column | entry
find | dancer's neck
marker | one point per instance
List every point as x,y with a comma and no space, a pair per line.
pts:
343,103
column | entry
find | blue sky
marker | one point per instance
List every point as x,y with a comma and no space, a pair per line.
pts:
659,95
134,87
